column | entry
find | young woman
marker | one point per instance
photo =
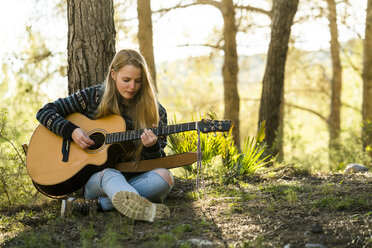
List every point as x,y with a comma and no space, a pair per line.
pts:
128,91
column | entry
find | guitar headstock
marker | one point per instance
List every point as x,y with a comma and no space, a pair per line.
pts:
206,126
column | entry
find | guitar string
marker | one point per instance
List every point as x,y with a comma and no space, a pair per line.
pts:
100,139
139,132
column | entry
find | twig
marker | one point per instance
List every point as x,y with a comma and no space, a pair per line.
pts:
5,187
11,143
224,198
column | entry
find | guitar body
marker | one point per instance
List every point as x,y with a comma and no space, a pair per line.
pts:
56,178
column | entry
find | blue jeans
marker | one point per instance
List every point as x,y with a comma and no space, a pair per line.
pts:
106,183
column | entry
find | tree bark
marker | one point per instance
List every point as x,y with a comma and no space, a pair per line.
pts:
367,80
91,42
271,106
230,68
335,113
145,34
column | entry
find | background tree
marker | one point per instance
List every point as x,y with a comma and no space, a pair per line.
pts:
145,36
91,41
230,68
367,80
271,106
230,65
336,84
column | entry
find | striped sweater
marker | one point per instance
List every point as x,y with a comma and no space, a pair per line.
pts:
52,116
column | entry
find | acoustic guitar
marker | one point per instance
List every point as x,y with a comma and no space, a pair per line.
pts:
58,167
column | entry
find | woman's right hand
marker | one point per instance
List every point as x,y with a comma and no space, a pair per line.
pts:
81,138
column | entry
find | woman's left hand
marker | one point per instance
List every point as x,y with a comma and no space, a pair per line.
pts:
148,137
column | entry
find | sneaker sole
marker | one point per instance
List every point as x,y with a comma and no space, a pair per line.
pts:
162,211
134,206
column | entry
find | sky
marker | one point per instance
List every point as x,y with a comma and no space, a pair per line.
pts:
187,26
12,19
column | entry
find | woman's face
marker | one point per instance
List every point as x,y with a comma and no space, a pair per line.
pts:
128,80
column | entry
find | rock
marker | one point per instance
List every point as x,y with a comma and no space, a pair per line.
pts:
316,228
356,168
200,242
309,245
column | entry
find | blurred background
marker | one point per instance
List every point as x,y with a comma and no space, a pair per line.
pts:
188,46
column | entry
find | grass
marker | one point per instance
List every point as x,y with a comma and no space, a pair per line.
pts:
340,203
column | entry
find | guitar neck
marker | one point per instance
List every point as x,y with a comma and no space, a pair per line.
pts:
158,131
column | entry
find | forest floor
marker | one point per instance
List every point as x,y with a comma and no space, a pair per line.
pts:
279,209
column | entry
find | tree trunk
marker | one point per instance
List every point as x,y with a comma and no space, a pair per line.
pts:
367,80
91,42
230,68
145,34
271,106
335,113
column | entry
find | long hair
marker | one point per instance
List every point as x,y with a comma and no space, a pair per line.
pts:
143,107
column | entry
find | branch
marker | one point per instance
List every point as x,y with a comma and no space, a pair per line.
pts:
351,107
2,179
293,106
250,99
197,2
308,110
14,147
206,45
352,65
269,13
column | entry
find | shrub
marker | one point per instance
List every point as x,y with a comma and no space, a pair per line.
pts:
15,184
234,161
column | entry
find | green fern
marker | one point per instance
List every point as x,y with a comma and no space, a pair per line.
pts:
248,161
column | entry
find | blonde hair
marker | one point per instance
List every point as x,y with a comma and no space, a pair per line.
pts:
143,107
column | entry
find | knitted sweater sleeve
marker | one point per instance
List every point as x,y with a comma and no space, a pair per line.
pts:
157,150
52,115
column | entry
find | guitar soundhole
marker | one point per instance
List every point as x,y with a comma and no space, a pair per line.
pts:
99,140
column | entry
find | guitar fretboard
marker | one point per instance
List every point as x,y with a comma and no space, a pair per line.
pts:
158,131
